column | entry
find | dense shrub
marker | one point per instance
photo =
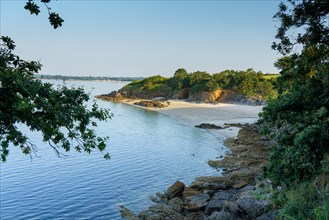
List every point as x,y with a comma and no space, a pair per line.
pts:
249,83
298,120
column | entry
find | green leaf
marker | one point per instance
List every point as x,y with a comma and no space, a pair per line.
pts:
32,7
55,20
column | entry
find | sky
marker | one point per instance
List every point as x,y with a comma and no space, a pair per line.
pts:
144,38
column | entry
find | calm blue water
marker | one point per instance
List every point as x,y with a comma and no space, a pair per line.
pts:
149,152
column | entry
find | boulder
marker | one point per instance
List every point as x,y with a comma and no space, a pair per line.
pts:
240,184
196,203
208,126
152,104
194,216
176,189
214,205
252,206
270,215
213,186
222,215
127,214
114,96
228,195
160,212
177,204
188,191
234,210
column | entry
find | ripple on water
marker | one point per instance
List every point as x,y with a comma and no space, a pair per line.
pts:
149,152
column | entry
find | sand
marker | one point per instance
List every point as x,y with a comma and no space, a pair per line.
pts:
196,113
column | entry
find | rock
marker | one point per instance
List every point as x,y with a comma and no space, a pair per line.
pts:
214,205
160,212
247,188
228,195
239,125
230,207
221,216
188,191
162,196
194,216
196,203
112,97
127,214
209,192
177,204
156,199
152,104
208,126
271,215
252,206
213,186
196,185
240,184
146,214
176,189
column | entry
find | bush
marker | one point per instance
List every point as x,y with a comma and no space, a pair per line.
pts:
301,137
305,202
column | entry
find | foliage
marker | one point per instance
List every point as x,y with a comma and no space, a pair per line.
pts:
59,114
154,86
305,201
180,73
54,19
298,120
198,77
249,83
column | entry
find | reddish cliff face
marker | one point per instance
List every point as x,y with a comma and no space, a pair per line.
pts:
206,96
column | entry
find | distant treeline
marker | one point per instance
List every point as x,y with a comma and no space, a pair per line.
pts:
249,83
88,78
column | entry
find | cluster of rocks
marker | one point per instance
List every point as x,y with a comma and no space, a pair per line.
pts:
210,126
229,197
210,201
112,97
153,103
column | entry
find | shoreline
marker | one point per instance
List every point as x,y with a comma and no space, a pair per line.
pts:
238,193
192,114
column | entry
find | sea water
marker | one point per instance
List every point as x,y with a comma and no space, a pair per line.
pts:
149,151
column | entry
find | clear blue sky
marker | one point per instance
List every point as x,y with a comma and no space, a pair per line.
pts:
144,38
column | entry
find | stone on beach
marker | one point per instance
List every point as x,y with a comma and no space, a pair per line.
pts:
197,202
176,189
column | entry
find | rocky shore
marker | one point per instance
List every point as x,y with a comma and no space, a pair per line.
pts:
238,194
117,97
218,96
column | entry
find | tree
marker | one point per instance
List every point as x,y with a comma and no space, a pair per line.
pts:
199,77
180,73
54,19
59,114
299,119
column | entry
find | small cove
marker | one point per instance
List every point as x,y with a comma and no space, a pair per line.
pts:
149,151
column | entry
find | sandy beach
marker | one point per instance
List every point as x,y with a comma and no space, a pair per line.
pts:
196,113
